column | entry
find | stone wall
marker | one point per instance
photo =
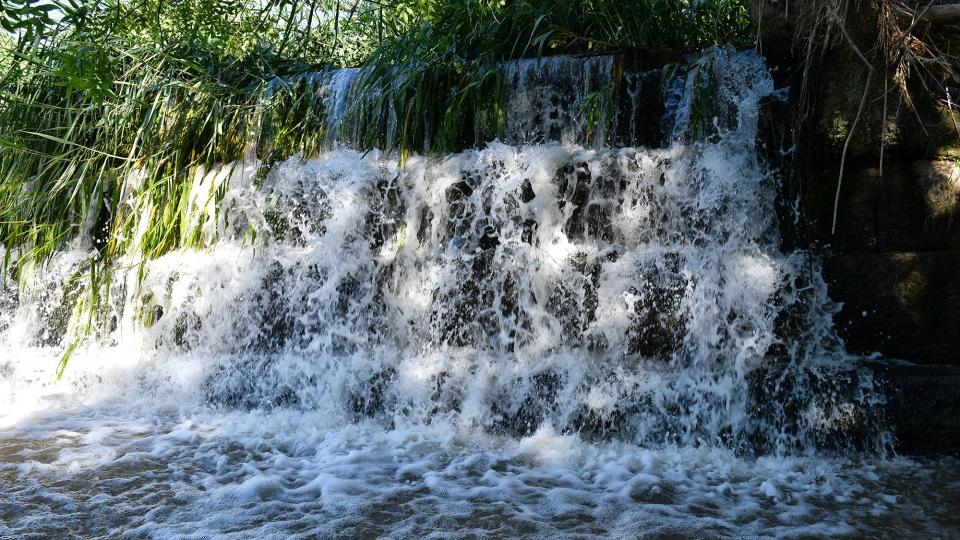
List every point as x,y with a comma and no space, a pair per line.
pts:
893,261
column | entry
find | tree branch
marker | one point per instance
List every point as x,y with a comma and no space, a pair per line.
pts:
948,14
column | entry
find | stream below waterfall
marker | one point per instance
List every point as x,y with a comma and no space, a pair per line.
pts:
104,472
531,339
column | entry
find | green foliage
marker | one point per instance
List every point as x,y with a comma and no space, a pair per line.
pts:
437,78
483,29
7,47
26,19
596,108
700,80
150,88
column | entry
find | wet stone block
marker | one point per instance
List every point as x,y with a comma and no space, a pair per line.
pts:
385,212
639,106
835,407
270,311
923,406
902,305
913,206
574,300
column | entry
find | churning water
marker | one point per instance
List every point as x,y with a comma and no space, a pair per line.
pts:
524,340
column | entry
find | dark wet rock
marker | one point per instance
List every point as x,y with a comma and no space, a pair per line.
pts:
446,396
590,198
659,324
460,211
454,324
639,106
156,314
593,425
462,189
479,308
602,425
520,417
657,331
277,222
529,233
776,142
426,222
490,238
186,330
55,309
509,296
385,213
270,311
370,398
886,222
548,96
894,257
348,290
922,127
567,306
574,181
101,226
795,303
300,214
9,301
913,206
526,192
574,300
923,406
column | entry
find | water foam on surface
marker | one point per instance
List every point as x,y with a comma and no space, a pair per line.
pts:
278,474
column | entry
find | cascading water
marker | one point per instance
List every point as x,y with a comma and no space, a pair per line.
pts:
538,339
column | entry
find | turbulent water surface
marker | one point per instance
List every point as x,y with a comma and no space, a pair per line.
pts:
533,340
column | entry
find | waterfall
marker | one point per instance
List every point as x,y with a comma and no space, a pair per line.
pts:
636,293
550,291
